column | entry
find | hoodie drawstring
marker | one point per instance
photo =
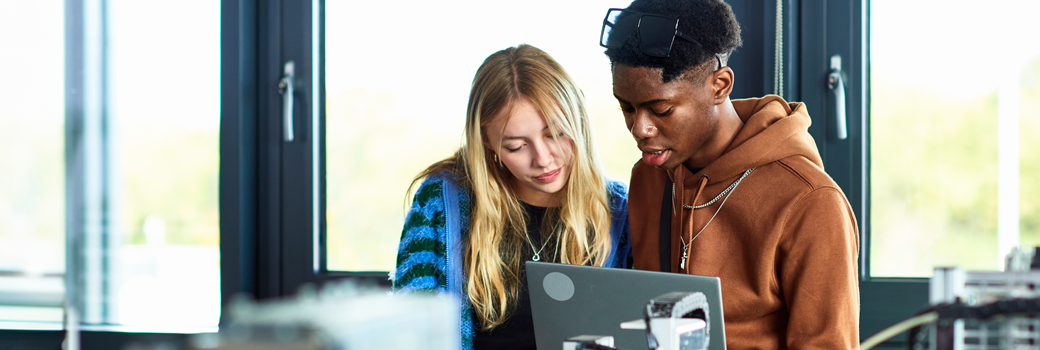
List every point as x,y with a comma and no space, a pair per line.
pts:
682,239
727,192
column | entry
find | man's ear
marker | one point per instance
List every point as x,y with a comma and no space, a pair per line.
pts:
722,81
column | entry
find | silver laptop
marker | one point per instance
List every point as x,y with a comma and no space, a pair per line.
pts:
569,300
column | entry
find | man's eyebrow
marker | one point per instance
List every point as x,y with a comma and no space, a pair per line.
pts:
620,99
641,104
504,138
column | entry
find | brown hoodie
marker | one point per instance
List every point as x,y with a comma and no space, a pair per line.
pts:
784,241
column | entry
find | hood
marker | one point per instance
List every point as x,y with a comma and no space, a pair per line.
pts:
773,129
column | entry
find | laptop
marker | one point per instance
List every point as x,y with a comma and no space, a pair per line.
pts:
570,300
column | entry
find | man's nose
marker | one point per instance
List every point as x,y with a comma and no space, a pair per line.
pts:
642,127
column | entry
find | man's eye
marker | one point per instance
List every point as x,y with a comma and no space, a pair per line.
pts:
663,114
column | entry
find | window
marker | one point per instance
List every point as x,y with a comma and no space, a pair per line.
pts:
32,184
396,94
936,166
953,98
163,119
111,161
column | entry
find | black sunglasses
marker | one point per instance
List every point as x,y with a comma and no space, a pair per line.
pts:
656,32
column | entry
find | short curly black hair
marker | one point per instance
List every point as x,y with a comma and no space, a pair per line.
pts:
710,22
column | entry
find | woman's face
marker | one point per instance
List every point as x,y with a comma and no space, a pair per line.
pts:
526,147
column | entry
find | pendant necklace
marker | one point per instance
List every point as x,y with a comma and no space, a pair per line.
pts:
727,192
537,253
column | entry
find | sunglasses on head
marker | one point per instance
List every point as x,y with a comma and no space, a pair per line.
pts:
656,32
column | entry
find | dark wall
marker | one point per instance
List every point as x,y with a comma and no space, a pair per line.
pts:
750,60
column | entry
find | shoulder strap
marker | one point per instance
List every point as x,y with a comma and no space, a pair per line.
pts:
665,239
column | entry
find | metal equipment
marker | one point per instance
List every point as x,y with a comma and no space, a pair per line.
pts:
984,310
672,321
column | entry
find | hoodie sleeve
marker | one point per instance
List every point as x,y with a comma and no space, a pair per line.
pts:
817,263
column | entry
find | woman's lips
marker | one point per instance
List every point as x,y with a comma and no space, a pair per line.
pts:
656,158
549,176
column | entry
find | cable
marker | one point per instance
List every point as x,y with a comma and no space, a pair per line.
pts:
897,329
778,52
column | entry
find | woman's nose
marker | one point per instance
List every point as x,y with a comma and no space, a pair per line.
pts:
543,155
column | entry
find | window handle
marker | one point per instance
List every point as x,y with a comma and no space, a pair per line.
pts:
285,87
837,85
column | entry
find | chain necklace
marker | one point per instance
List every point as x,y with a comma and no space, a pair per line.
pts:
537,253
727,192
531,212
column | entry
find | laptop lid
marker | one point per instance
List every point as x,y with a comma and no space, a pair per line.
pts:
570,300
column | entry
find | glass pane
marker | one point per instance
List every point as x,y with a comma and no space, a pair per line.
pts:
954,95
32,190
164,115
396,100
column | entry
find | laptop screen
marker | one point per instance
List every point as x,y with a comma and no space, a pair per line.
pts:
570,300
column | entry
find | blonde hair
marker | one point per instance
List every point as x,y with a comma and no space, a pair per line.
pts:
498,229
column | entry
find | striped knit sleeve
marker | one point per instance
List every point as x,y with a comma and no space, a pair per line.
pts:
421,262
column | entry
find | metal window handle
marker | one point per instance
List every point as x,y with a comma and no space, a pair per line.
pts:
285,87
837,85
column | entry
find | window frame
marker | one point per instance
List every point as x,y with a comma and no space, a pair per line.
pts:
842,27
272,241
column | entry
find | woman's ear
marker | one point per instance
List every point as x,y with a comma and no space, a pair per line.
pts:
722,81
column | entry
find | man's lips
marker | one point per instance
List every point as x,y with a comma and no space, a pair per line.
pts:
655,157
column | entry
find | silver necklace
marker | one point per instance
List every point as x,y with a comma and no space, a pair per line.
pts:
537,253
727,192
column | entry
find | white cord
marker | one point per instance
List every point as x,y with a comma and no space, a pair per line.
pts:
778,55
898,328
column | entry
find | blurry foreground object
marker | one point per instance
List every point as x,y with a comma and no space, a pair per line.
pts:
978,310
341,316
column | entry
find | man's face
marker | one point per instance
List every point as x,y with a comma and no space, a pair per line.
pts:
672,121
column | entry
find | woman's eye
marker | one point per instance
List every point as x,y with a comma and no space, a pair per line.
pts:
514,150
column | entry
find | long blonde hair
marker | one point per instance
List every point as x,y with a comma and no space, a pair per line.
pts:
497,230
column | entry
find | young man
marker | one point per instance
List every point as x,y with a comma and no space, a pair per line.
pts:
734,189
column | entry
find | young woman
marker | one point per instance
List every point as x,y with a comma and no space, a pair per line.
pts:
526,185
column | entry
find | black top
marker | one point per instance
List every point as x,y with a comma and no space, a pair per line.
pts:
517,332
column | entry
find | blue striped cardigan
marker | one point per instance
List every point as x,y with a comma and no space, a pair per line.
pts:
430,255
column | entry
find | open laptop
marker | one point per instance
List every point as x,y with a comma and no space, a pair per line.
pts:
569,300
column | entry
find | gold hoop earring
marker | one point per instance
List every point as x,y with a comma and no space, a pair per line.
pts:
498,161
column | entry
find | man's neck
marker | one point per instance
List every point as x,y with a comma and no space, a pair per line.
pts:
729,126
